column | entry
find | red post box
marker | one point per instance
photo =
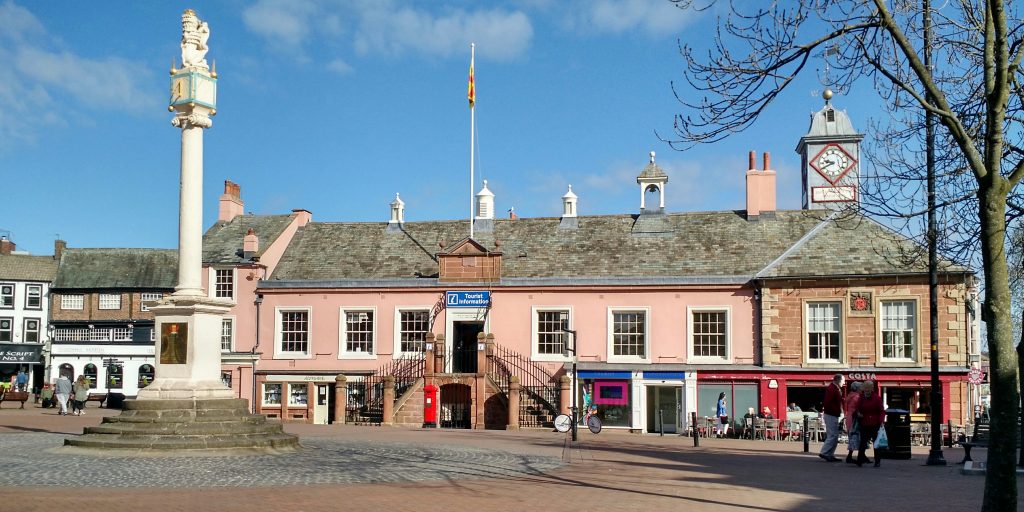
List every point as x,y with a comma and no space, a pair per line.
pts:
430,406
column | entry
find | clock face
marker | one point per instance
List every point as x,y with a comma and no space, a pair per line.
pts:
832,163
179,88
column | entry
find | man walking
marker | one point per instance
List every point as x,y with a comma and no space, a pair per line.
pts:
64,390
22,380
832,408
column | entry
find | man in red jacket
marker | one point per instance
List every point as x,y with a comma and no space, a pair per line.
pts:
832,408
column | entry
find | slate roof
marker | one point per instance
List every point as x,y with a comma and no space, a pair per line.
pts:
124,269
701,245
222,243
652,171
19,267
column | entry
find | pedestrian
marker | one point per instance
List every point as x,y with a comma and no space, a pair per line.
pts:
22,380
46,396
870,413
852,425
722,415
81,391
832,409
63,391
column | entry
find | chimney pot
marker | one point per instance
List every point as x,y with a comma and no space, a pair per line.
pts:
767,161
58,248
231,204
753,161
250,244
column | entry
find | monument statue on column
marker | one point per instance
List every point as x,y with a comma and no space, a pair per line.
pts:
187,407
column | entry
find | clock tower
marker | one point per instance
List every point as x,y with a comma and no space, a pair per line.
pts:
830,159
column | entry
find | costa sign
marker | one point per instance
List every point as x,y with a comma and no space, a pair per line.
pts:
862,376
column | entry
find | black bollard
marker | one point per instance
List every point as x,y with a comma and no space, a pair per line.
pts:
949,428
696,434
807,437
661,423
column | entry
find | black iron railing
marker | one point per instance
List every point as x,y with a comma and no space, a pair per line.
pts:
539,401
366,397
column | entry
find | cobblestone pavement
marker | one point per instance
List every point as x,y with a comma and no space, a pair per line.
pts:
31,459
399,469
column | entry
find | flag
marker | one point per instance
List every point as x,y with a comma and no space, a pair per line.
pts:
471,92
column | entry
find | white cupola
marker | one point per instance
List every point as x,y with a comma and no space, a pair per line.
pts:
485,203
650,179
569,203
397,211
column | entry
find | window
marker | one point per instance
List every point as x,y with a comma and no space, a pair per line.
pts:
6,295
294,331
709,334
412,330
31,330
122,333
90,374
147,297
824,329
297,394
357,332
110,301
72,301
899,322
548,337
115,376
227,334
224,283
628,331
6,329
271,394
225,378
34,296
146,374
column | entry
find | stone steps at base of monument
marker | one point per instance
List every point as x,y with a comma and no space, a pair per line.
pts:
185,429
179,415
209,404
177,443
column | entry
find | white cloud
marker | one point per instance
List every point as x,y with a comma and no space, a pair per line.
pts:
339,66
37,77
384,27
653,17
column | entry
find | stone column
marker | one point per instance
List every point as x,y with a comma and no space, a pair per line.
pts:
439,354
428,356
340,399
513,402
564,398
482,352
190,213
388,407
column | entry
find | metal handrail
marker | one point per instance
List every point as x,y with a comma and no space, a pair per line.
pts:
539,386
406,370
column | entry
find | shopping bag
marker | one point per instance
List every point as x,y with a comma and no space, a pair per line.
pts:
882,440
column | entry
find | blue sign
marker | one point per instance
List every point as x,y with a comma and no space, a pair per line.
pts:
471,299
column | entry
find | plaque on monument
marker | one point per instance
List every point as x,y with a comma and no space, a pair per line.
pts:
173,343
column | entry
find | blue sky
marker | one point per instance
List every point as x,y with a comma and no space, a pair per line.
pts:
333,106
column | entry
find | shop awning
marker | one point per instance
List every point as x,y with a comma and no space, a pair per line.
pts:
20,353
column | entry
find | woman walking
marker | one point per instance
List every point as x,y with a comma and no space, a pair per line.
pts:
81,394
723,416
870,413
852,425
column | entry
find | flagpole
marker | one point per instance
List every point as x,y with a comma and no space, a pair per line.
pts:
472,130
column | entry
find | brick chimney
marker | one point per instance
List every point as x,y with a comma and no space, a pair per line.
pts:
250,244
58,248
231,204
760,188
6,245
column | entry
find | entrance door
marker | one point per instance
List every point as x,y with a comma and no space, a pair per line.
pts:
666,400
464,346
322,407
456,401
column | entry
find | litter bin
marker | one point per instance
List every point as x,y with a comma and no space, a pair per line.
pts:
115,400
897,428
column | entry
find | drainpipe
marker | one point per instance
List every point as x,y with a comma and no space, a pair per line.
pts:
257,303
758,321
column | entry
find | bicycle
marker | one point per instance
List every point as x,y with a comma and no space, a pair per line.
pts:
563,422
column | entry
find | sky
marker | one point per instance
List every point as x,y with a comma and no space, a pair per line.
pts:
334,106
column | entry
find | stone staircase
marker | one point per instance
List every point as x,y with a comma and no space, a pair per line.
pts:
214,424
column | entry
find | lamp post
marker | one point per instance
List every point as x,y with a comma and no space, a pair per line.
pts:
257,303
572,409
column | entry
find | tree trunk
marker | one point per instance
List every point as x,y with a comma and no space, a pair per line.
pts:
1020,382
1000,477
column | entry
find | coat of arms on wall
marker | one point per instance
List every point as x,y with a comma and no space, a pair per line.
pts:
861,303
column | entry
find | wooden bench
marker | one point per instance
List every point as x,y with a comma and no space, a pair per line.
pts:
14,396
982,434
96,397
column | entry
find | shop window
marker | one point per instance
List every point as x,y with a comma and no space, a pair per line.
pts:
271,394
612,398
628,334
90,374
297,394
899,326
824,332
293,332
740,397
357,332
34,296
548,336
67,370
413,326
146,375
31,330
115,376
709,334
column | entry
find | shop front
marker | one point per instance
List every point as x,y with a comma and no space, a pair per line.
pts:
297,397
639,400
21,357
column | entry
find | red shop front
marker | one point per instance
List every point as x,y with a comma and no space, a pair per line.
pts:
901,389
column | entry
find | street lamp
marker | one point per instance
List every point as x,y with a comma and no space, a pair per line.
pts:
566,349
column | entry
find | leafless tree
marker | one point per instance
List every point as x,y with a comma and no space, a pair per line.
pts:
974,90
